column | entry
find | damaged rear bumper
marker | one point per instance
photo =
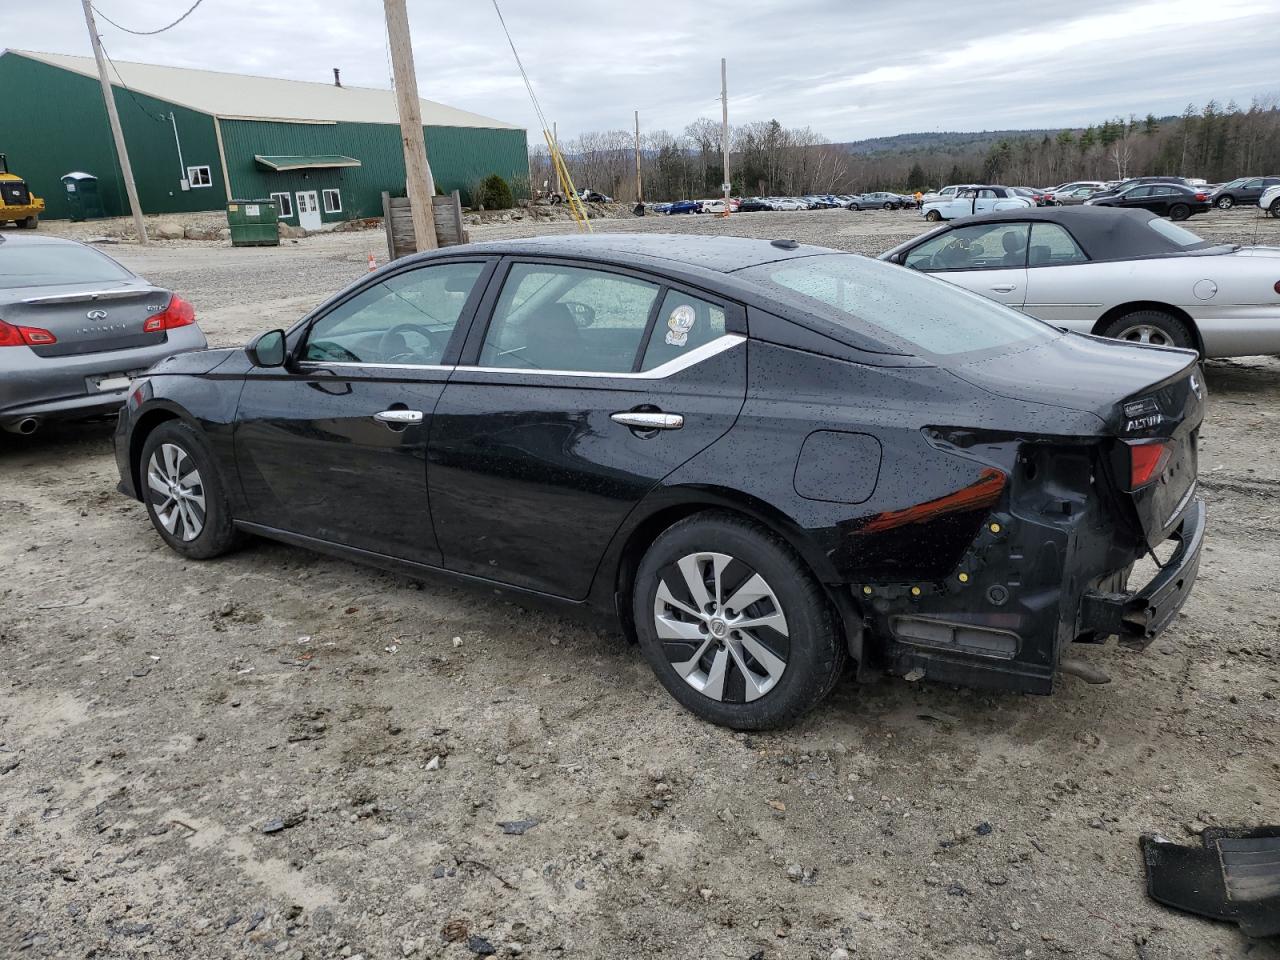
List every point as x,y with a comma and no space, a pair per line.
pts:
1140,616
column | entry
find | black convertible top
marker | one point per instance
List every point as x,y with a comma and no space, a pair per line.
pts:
1104,233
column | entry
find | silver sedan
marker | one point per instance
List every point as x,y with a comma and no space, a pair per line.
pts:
75,327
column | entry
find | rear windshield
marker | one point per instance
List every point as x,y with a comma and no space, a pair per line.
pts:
875,299
48,264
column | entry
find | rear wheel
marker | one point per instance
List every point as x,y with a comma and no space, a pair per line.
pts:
733,624
184,494
1150,326
1226,203
1275,207
1179,211
933,216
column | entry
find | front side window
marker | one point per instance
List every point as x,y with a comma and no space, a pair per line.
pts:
407,318
886,303
568,318
986,246
332,201
1052,246
199,177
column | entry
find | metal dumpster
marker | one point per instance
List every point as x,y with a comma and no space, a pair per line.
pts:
253,223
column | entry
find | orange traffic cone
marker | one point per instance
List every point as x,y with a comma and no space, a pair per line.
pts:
372,266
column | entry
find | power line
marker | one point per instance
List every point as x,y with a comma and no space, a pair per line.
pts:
148,33
158,117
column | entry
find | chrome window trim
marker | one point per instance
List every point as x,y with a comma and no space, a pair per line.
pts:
329,364
695,356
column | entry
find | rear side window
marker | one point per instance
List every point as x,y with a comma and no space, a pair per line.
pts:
568,318
46,264
1052,246
684,323
887,303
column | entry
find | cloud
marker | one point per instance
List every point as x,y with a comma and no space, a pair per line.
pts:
847,70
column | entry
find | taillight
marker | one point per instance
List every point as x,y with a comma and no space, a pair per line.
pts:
1202,197
15,336
179,313
1276,288
1147,459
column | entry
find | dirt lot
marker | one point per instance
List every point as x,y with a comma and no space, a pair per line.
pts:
278,753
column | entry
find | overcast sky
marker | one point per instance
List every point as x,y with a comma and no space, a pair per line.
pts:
848,69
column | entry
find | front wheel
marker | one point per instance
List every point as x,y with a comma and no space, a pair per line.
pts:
1152,327
733,624
1275,207
933,216
1179,211
183,491
1225,203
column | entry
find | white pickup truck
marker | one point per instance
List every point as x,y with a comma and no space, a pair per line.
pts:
971,200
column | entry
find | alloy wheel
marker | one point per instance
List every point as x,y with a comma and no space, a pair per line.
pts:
721,626
1146,333
175,491
1225,203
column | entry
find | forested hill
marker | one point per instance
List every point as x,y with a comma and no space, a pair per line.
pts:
934,140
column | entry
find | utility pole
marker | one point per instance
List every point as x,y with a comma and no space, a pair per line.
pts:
419,186
724,128
113,118
639,187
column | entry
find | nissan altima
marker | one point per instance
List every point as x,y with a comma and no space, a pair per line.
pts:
75,326
760,459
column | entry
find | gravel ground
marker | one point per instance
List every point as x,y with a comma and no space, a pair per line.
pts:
277,753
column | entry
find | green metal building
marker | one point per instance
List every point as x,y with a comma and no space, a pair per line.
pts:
198,138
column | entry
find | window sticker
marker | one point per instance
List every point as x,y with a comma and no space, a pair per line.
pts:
679,324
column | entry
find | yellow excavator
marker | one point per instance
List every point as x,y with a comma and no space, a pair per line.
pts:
17,202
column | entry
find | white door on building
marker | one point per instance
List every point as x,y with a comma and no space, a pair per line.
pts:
308,209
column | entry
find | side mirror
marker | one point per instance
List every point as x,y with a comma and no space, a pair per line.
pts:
267,349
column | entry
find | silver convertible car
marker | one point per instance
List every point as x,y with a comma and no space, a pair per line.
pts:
1117,273
75,327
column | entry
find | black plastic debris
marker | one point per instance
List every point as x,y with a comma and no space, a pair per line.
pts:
517,827
1234,876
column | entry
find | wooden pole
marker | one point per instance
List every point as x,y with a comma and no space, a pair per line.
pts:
639,185
724,129
419,186
113,118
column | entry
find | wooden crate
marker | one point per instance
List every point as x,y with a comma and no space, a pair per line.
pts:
397,218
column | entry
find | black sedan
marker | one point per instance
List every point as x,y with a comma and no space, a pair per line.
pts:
760,459
1172,200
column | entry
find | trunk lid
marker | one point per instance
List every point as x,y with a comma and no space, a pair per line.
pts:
1140,395
88,319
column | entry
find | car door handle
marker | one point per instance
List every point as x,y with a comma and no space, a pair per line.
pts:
1005,287
399,418
649,421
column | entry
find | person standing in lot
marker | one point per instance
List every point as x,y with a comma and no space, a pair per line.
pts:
919,199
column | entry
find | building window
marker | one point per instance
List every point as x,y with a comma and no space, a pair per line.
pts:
199,177
284,205
332,201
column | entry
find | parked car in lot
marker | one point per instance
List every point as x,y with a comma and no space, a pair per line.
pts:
684,206
1070,198
787,203
594,196
751,204
1270,201
1245,191
971,200
946,193
75,325
568,418
1114,273
717,205
1097,186
880,200
1172,200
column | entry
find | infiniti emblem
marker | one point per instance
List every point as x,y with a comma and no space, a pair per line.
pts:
97,314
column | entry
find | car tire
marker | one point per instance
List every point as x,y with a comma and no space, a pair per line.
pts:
1225,203
933,216
854,206
1151,326
1179,211
1275,207
198,523
744,679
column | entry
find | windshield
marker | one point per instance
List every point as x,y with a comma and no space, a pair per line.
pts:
875,299
1171,231
48,264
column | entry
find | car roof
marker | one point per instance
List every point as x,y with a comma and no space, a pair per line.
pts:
711,254
1105,233
34,240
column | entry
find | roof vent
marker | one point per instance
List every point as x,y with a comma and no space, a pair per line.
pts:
784,244
337,78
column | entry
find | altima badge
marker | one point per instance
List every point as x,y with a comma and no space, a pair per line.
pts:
97,314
